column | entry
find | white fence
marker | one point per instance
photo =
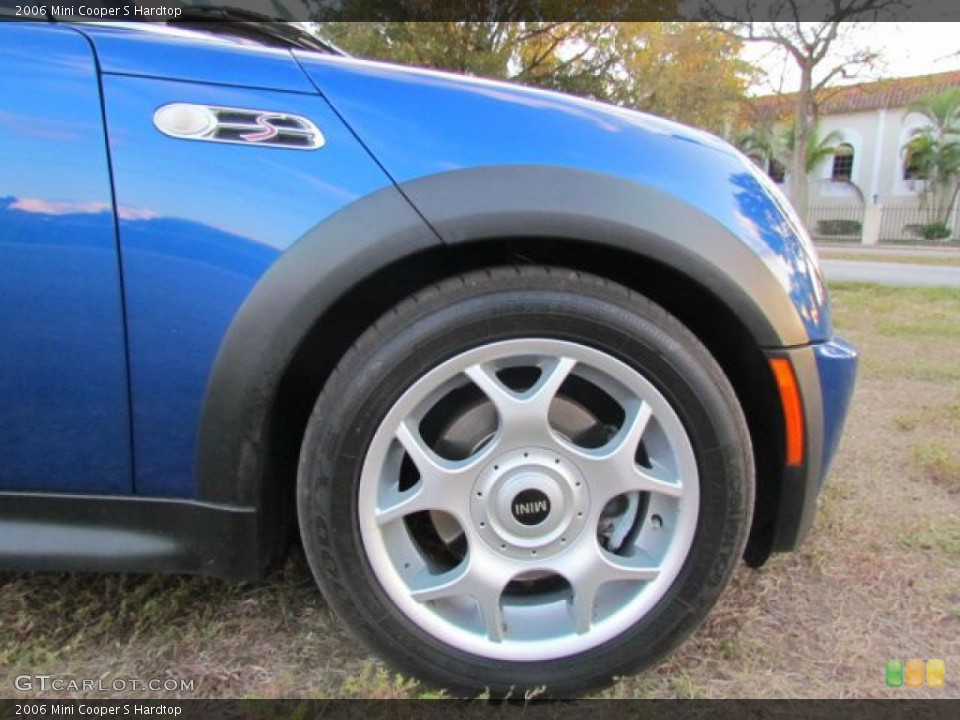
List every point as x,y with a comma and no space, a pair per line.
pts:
902,224
836,222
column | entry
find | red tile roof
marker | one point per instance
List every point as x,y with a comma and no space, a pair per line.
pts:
892,93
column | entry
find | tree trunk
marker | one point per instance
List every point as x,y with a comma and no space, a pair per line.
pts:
804,112
952,204
945,197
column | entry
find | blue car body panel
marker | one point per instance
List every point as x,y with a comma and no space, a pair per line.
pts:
468,123
837,368
200,239
194,58
63,378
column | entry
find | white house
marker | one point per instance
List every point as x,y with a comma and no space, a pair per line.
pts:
872,168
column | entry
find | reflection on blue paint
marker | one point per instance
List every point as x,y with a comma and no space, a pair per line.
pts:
202,223
64,422
789,261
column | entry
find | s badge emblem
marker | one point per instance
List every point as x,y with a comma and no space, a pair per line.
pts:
238,125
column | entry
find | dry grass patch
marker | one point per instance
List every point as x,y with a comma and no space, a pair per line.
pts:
940,463
945,415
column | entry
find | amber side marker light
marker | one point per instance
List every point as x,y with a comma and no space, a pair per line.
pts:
792,408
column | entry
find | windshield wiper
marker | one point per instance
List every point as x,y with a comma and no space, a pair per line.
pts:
241,23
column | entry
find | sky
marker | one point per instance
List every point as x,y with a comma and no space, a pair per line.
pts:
907,49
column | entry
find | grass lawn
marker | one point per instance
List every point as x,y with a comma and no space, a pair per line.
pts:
879,577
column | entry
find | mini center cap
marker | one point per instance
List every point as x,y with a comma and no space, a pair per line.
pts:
530,507
529,503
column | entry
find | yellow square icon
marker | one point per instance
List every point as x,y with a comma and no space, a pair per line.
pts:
914,670
936,671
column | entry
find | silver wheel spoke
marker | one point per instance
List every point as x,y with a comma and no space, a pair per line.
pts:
634,426
591,569
443,485
552,376
486,379
422,496
524,416
429,464
648,482
624,476
615,464
481,579
492,614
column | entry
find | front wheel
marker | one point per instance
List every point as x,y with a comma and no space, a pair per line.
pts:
525,478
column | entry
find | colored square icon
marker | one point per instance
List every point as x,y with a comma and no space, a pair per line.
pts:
914,670
936,673
894,673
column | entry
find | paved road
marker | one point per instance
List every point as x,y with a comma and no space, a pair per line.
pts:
888,273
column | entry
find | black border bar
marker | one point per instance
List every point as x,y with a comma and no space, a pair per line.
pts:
479,709
510,10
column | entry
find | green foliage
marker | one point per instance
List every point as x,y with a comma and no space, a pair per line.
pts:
764,144
942,110
838,227
685,71
760,142
934,231
934,153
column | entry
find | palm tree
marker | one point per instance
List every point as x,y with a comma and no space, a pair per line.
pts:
934,152
818,148
942,110
753,143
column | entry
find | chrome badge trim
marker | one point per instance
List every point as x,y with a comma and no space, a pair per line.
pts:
239,126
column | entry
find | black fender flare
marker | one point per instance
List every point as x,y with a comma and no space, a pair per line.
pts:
454,208
537,201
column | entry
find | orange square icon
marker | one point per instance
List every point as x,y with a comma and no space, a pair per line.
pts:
914,670
935,673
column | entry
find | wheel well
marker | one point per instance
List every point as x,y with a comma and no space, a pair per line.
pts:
704,314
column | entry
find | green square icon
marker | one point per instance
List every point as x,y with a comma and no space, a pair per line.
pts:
894,673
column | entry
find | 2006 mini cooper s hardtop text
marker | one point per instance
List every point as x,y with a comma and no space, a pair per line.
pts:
527,374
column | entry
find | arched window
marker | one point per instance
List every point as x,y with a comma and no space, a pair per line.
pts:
911,167
843,163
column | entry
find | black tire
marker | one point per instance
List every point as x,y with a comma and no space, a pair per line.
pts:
485,307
